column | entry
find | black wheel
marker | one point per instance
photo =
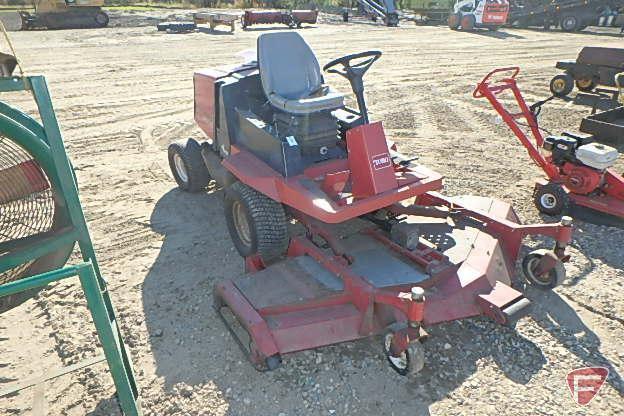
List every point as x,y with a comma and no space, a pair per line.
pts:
101,19
561,85
570,23
187,165
345,16
273,362
493,28
551,199
257,224
409,362
585,84
454,21
468,22
548,280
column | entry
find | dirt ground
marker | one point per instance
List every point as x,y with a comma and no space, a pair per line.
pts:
123,93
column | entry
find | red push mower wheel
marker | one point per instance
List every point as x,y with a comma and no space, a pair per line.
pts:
548,280
551,199
411,360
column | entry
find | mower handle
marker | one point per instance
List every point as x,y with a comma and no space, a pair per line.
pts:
477,91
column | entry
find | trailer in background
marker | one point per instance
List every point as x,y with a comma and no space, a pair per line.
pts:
570,15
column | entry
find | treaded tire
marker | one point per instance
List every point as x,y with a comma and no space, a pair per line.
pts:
561,85
257,224
187,165
551,199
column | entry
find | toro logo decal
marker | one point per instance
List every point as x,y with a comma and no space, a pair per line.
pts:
381,161
584,383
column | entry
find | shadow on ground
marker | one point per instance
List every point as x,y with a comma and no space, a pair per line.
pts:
190,344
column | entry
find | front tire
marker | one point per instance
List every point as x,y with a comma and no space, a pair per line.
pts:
187,165
561,85
551,199
257,224
548,280
409,362
570,23
454,20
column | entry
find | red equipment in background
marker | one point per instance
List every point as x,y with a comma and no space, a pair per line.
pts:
495,12
292,18
568,178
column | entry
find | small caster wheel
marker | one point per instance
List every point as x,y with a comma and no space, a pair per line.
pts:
273,362
409,362
551,199
548,280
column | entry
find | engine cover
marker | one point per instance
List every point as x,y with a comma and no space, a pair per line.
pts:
597,156
581,179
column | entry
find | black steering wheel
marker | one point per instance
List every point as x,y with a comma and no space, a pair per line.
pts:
356,70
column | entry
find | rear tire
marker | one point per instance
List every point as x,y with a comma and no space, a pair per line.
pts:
257,224
585,84
551,199
561,85
187,165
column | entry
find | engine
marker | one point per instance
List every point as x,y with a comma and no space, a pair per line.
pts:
561,148
583,165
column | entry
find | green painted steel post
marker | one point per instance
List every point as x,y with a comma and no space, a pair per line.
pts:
112,344
47,142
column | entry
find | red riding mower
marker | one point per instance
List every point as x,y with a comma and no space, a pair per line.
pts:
285,147
577,169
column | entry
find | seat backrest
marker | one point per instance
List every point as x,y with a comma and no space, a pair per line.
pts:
288,67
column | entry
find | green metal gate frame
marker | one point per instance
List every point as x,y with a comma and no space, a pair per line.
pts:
45,143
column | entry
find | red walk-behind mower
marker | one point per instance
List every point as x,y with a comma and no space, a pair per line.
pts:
578,170
285,147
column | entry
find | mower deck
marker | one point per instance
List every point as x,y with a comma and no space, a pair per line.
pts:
317,297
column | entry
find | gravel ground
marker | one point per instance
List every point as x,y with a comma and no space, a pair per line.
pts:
123,93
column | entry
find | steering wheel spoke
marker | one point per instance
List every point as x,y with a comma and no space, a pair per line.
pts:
349,70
